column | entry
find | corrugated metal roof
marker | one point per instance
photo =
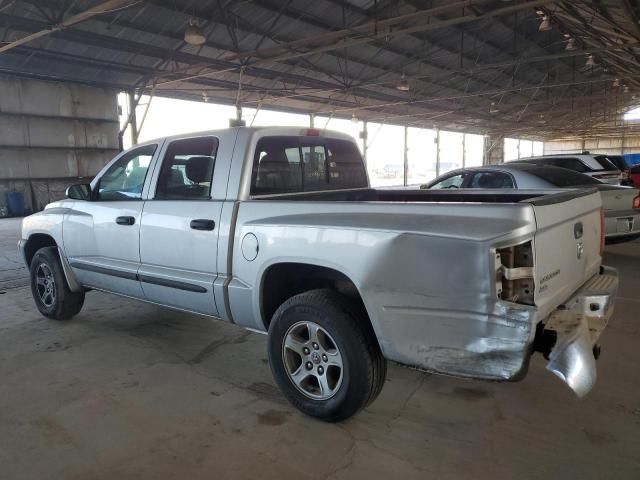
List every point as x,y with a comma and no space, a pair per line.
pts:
463,60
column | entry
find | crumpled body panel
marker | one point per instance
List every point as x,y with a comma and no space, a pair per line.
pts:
577,327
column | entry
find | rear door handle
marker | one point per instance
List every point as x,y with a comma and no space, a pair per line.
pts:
202,224
125,220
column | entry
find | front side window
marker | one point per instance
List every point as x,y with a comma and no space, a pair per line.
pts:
491,180
124,180
306,164
454,181
187,169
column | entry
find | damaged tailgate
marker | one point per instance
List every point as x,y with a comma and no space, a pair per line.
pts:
573,291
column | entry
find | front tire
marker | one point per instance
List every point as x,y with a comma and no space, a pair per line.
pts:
49,286
324,355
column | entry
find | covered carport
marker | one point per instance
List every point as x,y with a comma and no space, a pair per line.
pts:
129,390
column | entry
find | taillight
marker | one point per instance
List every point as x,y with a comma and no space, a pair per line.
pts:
602,231
636,202
514,274
313,132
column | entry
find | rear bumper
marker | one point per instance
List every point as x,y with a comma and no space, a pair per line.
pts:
570,334
622,224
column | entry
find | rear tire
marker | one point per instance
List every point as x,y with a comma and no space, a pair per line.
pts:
324,355
49,286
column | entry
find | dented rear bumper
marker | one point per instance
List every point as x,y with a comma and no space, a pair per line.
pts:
569,337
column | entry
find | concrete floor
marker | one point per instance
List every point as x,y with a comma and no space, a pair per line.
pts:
128,390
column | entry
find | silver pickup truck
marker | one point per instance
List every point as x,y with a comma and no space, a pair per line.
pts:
277,230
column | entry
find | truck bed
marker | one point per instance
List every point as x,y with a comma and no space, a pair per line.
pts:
535,197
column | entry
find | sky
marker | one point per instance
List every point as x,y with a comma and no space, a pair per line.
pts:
633,114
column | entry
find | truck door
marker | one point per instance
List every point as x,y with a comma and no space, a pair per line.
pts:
180,225
101,236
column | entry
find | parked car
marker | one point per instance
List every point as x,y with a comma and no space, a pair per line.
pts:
621,204
277,230
596,166
623,166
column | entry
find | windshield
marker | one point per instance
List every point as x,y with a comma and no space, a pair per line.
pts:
618,161
561,177
605,162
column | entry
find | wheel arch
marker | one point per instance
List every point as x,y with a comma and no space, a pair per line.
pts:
283,280
35,242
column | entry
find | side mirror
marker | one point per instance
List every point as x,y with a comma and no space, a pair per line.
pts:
80,191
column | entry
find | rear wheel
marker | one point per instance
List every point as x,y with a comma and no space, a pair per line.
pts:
49,286
324,355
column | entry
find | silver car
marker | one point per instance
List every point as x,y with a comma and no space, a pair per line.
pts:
621,204
595,166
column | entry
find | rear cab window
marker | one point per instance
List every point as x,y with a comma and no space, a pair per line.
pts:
306,164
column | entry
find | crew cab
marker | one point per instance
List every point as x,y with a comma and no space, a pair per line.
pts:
277,230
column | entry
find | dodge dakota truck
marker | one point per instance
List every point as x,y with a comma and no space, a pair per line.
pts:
278,230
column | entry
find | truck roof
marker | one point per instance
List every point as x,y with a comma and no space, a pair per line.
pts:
262,130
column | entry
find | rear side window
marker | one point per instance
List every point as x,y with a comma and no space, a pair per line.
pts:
491,180
561,177
306,164
187,169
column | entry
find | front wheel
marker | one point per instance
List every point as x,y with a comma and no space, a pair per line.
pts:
324,355
49,286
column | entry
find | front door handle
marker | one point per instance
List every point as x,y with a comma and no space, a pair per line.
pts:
125,220
202,224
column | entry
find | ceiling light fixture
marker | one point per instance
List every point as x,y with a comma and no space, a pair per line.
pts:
545,25
493,108
193,35
571,45
590,61
403,86
616,82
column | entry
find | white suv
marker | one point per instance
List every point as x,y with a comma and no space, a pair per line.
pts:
596,166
